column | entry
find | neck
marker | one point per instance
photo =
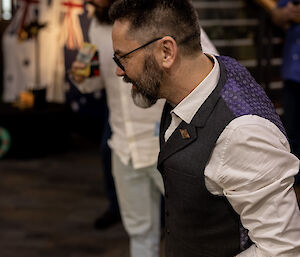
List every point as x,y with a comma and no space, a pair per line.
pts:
185,77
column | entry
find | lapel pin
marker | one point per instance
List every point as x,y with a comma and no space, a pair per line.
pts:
184,134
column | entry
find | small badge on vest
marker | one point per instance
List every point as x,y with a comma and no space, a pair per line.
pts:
184,134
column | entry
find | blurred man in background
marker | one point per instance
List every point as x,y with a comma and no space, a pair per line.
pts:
287,15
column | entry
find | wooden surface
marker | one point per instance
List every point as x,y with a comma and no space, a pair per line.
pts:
48,206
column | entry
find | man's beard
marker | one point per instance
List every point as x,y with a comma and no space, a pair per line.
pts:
145,93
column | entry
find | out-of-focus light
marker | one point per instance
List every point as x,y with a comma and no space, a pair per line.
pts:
6,10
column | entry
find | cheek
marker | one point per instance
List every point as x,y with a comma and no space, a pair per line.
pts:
134,71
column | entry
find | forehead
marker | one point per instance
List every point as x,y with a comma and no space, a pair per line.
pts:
121,40
120,30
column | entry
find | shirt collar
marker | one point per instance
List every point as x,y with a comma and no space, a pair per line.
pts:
188,107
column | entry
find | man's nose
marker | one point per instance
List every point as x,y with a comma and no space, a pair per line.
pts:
120,72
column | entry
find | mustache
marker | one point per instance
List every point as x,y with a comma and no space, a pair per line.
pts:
128,80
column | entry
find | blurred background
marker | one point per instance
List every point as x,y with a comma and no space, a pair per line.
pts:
51,184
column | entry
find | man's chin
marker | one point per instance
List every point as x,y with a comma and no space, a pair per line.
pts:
141,101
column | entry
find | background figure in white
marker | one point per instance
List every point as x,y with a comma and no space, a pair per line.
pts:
23,70
19,56
63,30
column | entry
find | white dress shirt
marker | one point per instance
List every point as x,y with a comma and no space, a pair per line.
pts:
252,166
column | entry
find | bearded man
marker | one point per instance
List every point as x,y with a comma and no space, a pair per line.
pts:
134,141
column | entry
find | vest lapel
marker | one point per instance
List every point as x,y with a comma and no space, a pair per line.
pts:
185,133
165,123
180,138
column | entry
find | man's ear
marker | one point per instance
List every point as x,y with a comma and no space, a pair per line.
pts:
169,51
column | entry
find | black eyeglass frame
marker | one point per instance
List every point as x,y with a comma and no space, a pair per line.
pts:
117,59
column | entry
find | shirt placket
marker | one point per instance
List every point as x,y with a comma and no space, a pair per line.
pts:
129,126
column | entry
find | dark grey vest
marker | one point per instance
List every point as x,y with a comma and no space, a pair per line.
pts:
199,224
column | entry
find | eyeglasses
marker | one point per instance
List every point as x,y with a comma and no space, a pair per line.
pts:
117,60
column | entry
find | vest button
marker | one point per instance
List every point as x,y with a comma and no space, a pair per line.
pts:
168,231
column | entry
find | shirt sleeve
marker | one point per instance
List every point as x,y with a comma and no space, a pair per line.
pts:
252,165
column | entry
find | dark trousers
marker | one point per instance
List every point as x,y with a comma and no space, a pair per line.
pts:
291,118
